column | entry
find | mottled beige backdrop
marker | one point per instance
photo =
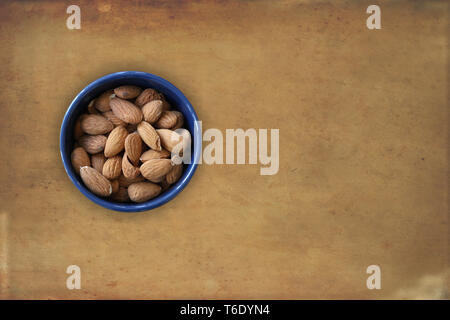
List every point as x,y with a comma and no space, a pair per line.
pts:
363,179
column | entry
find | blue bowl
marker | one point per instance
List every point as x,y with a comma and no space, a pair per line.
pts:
145,80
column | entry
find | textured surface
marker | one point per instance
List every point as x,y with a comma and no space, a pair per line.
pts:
363,119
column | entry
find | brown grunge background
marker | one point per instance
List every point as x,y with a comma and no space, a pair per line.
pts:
363,179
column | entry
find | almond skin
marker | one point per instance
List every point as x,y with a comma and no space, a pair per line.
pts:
94,124
95,181
77,131
129,171
97,161
133,147
93,144
153,154
146,96
79,158
124,182
149,135
166,104
167,120
169,139
155,169
180,120
91,107
116,141
115,186
102,101
152,111
113,118
126,111
174,174
121,195
164,185
127,92
185,142
112,167
143,191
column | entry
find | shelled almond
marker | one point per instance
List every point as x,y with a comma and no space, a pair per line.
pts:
124,142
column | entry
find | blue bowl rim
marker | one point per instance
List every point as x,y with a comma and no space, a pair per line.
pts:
129,207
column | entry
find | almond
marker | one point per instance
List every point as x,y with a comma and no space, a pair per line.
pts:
149,135
180,120
77,131
153,154
133,147
169,139
102,101
174,174
121,195
93,144
152,111
166,104
91,108
95,182
185,144
96,124
164,185
79,158
143,191
115,186
129,171
97,161
155,169
116,141
167,120
124,182
126,111
159,180
146,96
127,92
114,119
112,167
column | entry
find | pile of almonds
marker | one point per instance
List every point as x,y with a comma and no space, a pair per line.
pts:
124,144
